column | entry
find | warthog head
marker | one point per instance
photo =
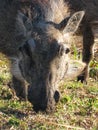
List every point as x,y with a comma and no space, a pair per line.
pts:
47,52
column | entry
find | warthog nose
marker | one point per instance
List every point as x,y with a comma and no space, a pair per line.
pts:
56,96
67,50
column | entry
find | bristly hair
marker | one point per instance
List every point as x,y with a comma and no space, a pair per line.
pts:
49,10
59,9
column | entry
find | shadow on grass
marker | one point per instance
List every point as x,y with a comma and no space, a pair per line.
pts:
13,112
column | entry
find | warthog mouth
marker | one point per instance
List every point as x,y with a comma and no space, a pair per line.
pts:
43,99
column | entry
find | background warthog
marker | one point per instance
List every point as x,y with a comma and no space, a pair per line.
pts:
87,28
38,50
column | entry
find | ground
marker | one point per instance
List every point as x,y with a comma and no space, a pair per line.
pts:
76,110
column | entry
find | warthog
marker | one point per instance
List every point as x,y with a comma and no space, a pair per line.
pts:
33,36
87,28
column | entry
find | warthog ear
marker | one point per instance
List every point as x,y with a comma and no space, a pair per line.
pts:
74,22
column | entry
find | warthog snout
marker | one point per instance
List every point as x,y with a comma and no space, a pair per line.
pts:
43,91
43,101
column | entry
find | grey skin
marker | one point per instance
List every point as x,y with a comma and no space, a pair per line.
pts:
36,45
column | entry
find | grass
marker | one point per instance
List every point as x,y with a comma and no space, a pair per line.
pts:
76,110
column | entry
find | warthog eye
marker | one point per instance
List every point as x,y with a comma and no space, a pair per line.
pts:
62,49
67,50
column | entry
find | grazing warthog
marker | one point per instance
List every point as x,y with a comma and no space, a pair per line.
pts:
38,50
87,28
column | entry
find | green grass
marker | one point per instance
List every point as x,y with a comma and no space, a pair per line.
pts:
76,110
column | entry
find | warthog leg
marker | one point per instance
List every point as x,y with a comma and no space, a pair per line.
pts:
88,41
